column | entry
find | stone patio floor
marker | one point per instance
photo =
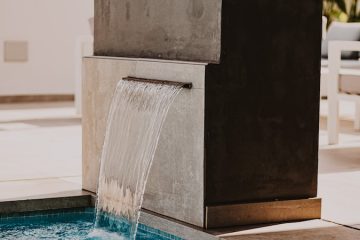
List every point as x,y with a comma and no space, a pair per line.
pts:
40,149
40,155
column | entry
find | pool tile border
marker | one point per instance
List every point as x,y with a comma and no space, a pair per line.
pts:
47,215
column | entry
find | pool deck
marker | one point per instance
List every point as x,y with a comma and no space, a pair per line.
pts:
309,230
64,200
40,152
40,149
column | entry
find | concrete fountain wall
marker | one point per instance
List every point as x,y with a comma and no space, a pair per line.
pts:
239,148
175,185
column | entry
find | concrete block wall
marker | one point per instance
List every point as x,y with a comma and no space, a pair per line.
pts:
175,185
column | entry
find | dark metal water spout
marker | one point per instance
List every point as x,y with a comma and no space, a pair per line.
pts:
187,85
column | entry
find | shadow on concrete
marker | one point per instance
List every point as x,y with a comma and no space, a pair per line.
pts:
336,160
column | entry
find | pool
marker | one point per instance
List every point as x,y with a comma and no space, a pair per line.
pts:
77,224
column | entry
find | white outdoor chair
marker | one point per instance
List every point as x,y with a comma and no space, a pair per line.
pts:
340,71
340,90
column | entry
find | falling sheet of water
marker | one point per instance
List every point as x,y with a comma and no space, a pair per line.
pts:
137,113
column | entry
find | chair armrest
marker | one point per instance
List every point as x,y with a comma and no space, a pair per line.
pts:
335,49
334,58
344,46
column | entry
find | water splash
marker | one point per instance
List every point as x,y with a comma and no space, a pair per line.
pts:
137,113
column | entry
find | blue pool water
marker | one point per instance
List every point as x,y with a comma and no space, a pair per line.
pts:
75,224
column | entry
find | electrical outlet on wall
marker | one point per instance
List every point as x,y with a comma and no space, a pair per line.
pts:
16,51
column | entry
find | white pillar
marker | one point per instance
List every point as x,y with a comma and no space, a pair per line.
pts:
84,47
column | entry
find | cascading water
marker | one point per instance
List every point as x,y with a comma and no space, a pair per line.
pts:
137,113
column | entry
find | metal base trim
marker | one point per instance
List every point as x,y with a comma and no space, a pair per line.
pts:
262,212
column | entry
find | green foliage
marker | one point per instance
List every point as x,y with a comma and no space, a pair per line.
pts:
354,13
341,10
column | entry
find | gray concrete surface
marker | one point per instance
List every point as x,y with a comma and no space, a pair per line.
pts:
39,140
40,149
175,185
177,30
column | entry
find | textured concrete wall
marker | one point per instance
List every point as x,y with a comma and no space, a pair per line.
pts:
99,82
175,186
176,30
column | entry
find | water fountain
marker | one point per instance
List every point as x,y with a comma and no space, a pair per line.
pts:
137,113
241,146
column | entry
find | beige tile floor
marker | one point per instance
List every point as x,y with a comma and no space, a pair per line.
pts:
324,233
40,154
40,149
339,170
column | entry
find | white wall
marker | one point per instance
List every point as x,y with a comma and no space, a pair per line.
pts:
51,28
